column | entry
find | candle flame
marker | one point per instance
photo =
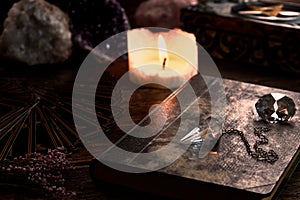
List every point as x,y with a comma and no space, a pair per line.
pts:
163,55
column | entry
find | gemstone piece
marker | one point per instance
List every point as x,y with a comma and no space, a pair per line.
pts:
275,107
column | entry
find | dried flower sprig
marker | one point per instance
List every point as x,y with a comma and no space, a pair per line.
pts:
44,170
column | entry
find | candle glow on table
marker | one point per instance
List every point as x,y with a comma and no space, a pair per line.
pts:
166,58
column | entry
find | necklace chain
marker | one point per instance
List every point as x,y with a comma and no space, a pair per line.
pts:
258,154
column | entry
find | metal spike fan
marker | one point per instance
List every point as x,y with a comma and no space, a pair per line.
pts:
36,109
35,116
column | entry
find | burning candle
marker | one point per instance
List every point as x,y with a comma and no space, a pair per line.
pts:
165,58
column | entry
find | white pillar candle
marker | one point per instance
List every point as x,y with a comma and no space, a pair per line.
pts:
166,58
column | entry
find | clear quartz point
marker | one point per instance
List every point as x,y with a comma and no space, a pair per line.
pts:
195,135
196,138
275,107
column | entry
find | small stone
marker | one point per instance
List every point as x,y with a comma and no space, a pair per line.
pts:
275,107
157,13
36,32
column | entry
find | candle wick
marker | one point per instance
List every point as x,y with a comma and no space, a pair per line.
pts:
164,63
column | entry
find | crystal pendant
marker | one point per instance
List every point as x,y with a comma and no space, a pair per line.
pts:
275,107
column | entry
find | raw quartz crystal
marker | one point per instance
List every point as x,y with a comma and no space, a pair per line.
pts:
275,107
36,32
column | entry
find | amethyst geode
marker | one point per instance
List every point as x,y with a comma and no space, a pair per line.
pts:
95,20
